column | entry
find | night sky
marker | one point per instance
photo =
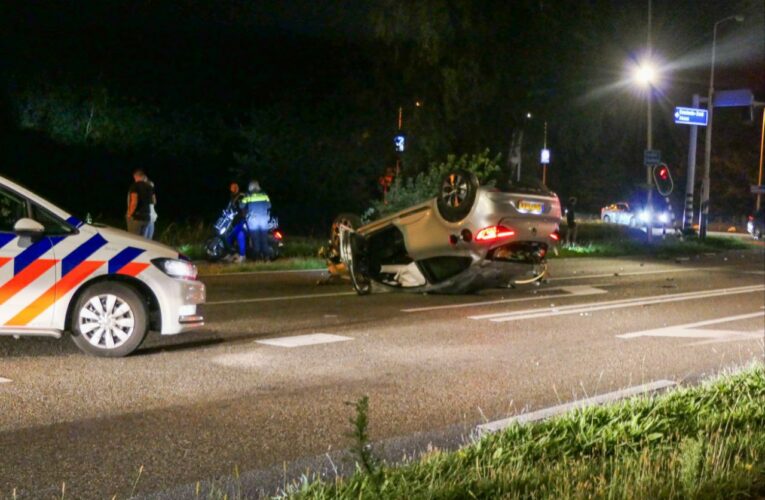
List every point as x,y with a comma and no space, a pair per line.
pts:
304,95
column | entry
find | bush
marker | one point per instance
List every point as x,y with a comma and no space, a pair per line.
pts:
406,192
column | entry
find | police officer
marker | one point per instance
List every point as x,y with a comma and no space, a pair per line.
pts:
257,207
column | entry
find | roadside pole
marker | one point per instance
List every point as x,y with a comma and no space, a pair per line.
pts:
762,147
691,175
648,169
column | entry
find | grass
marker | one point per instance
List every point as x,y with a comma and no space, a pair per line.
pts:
700,442
596,239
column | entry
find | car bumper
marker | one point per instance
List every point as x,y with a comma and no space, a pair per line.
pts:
181,313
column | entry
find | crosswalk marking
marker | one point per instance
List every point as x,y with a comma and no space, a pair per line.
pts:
304,340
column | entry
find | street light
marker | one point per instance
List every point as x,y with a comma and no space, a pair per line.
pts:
646,75
704,212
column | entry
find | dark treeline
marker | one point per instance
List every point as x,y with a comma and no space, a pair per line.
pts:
305,96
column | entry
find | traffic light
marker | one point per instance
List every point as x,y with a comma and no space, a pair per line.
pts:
663,179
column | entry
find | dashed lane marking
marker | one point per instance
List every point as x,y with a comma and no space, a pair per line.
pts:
627,273
5,380
615,304
304,340
694,331
570,291
546,413
275,299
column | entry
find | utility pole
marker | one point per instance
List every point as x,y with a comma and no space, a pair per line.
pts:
759,177
649,141
690,182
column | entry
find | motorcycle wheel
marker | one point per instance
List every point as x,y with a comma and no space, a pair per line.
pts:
215,249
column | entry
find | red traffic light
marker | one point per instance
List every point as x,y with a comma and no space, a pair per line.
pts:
664,173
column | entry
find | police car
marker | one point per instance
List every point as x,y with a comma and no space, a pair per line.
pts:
106,287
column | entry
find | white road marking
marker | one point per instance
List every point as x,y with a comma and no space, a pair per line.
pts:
615,304
5,380
545,413
628,273
569,290
304,340
692,331
283,297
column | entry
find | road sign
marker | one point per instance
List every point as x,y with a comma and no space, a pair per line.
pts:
691,116
545,157
399,142
651,157
733,98
758,189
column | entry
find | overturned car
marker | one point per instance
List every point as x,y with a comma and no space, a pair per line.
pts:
469,237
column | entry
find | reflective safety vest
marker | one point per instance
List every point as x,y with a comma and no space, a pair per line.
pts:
255,198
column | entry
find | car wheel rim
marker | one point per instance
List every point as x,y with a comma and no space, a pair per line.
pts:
454,190
106,321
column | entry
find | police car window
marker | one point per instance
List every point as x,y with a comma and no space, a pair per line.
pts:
51,223
12,208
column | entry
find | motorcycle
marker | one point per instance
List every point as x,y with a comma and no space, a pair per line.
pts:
222,242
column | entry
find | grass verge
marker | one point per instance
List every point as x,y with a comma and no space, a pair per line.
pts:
597,239
700,442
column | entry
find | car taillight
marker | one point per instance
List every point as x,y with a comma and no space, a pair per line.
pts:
493,233
278,235
555,236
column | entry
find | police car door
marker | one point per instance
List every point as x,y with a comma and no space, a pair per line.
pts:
28,268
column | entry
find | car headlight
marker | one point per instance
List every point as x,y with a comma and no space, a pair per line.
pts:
664,217
644,215
176,268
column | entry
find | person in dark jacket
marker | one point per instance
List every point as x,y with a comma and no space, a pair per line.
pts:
257,207
239,231
140,198
571,228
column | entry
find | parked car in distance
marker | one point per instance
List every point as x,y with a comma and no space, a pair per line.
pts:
633,216
756,224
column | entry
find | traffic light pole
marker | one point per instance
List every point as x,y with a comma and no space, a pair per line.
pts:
648,168
690,181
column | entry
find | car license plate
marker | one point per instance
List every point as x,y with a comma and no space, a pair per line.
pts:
530,207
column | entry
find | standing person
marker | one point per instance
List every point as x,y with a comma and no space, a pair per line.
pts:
258,209
239,233
140,197
571,228
152,212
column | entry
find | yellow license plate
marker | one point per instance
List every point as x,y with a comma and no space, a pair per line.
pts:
530,207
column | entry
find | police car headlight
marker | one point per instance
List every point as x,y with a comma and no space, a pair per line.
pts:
644,216
664,217
176,268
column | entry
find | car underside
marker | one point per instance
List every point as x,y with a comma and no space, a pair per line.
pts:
467,238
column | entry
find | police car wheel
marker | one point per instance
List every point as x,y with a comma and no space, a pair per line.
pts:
109,320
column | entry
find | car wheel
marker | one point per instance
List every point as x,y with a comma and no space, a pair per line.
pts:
606,219
457,195
351,243
215,249
349,220
109,319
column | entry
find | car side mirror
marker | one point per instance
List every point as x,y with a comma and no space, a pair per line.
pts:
28,227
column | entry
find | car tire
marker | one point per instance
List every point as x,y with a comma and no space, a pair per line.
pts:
606,219
456,195
353,249
215,249
110,320
351,220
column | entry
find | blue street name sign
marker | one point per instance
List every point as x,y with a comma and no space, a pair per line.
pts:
758,189
691,116
651,157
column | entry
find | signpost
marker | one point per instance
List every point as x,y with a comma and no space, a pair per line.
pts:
691,116
651,157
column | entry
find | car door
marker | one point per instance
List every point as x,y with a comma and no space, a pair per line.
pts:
27,267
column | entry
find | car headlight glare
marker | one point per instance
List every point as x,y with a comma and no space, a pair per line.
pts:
664,217
644,216
176,268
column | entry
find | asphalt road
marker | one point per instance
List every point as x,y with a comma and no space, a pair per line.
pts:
246,398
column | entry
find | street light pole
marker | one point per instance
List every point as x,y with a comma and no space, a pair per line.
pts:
762,148
704,209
